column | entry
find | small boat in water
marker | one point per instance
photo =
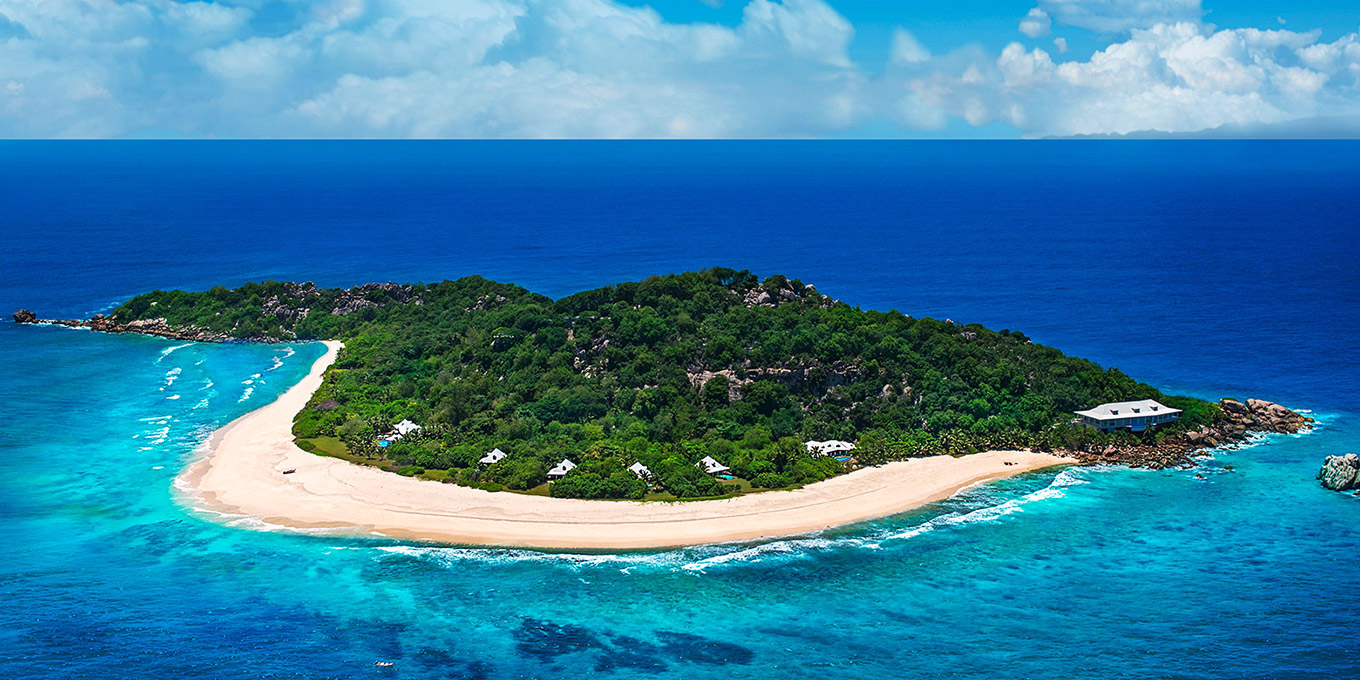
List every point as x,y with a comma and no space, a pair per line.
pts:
383,664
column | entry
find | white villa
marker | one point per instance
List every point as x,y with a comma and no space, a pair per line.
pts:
495,456
640,470
711,466
562,469
1135,416
405,427
829,448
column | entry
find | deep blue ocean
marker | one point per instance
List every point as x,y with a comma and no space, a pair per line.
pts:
1207,268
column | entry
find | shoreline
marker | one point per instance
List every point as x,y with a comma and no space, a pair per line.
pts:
240,474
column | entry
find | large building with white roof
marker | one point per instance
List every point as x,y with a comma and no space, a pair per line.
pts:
1135,416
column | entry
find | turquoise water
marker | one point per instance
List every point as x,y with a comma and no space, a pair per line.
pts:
1075,574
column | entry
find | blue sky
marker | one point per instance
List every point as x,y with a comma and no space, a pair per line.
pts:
674,68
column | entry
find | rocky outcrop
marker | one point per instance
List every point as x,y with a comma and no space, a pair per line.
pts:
813,375
1340,473
769,295
359,297
287,308
1263,416
157,327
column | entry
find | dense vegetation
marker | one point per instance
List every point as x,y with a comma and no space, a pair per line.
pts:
662,371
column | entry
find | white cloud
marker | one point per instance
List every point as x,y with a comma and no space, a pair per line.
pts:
598,68
1118,16
1036,23
906,49
523,68
1180,78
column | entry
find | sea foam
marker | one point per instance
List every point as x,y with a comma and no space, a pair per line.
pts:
704,558
170,350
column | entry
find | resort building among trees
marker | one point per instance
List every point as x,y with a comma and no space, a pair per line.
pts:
493,457
402,429
642,471
711,466
561,469
406,427
1135,416
829,448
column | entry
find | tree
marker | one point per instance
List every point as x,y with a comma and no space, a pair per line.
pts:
715,392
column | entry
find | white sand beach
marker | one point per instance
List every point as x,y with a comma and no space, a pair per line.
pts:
241,473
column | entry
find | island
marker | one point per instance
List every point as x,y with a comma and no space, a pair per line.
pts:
687,408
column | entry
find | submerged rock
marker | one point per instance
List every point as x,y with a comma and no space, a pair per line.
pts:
1340,473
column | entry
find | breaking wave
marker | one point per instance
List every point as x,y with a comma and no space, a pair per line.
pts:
701,559
170,350
171,376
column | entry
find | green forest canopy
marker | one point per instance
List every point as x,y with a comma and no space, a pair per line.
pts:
662,371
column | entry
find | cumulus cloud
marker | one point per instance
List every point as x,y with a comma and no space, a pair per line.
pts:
1176,77
906,49
1036,23
1118,16
598,68
457,68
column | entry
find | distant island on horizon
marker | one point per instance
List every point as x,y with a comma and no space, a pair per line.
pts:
704,384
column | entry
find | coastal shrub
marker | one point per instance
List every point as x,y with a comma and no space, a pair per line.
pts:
411,471
686,481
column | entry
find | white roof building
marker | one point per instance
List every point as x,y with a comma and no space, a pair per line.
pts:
828,448
493,457
562,469
406,427
1134,415
640,470
711,466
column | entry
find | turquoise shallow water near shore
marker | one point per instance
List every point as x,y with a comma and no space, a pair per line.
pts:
1243,285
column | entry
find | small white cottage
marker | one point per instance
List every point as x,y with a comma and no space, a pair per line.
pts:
406,427
640,470
493,457
711,466
561,469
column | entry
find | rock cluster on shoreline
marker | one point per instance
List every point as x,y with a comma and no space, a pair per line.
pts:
1340,473
157,327
1237,422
